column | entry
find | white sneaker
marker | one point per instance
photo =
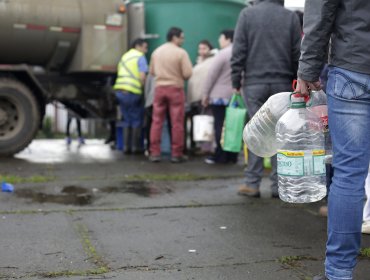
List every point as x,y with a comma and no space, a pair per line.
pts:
366,227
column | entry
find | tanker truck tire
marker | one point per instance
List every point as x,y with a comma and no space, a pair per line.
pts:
19,116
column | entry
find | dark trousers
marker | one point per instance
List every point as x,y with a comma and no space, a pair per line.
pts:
78,122
220,155
255,96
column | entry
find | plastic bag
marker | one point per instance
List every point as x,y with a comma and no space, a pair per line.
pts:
232,133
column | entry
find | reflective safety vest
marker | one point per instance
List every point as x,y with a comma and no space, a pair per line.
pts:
128,74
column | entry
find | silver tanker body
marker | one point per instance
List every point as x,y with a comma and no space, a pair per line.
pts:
64,50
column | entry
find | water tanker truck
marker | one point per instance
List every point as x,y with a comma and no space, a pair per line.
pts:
56,50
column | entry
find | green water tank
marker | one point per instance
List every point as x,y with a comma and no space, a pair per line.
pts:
199,19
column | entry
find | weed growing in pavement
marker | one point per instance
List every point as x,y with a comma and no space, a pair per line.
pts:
365,253
295,261
14,179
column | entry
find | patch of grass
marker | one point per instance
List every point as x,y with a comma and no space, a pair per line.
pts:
89,248
67,273
365,253
14,179
295,261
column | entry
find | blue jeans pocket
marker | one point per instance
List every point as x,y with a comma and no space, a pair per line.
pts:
347,84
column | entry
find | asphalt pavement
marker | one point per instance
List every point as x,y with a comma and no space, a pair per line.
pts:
93,213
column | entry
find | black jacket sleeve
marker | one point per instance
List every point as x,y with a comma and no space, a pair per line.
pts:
319,18
240,51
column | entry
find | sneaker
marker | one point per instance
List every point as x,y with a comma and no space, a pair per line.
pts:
210,160
154,158
68,141
248,191
365,227
323,211
81,141
179,159
320,277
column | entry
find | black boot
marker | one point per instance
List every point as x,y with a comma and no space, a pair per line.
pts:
136,140
127,140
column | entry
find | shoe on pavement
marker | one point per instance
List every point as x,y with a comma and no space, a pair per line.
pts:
365,227
275,195
68,140
81,141
154,158
210,160
248,191
179,159
320,277
323,211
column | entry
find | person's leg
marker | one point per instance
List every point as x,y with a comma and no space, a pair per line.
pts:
159,113
81,140
124,99
254,96
176,99
78,123
68,128
349,122
148,124
219,115
68,133
136,120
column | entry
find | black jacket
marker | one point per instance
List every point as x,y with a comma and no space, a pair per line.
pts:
346,23
266,44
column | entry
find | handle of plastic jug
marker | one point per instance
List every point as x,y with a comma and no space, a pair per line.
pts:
307,98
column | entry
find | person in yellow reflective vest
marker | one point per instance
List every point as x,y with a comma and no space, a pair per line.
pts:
131,74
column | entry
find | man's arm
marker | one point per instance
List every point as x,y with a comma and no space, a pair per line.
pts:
143,69
186,66
212,76
296,43
319,18
240,51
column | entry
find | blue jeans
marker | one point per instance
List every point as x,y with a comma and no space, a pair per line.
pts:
132,108
349,121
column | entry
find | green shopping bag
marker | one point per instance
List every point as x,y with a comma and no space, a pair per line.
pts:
234,125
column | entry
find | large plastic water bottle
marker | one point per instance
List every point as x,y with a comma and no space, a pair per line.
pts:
259,132
301,154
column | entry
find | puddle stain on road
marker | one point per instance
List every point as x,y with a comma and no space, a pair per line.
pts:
80,196
139,188
70,195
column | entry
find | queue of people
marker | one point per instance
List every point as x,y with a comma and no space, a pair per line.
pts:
164,96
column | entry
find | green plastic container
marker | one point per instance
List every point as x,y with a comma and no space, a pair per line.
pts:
200,19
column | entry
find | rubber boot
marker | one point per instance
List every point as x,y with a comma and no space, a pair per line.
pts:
127,140
136,140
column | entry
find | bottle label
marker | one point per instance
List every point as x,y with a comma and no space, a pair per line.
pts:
290,163
301,163
318,159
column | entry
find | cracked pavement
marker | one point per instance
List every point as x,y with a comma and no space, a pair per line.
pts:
103,215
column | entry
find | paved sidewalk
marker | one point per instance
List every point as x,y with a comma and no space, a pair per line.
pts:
95,214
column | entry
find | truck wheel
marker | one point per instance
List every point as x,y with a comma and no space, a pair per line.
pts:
19,116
